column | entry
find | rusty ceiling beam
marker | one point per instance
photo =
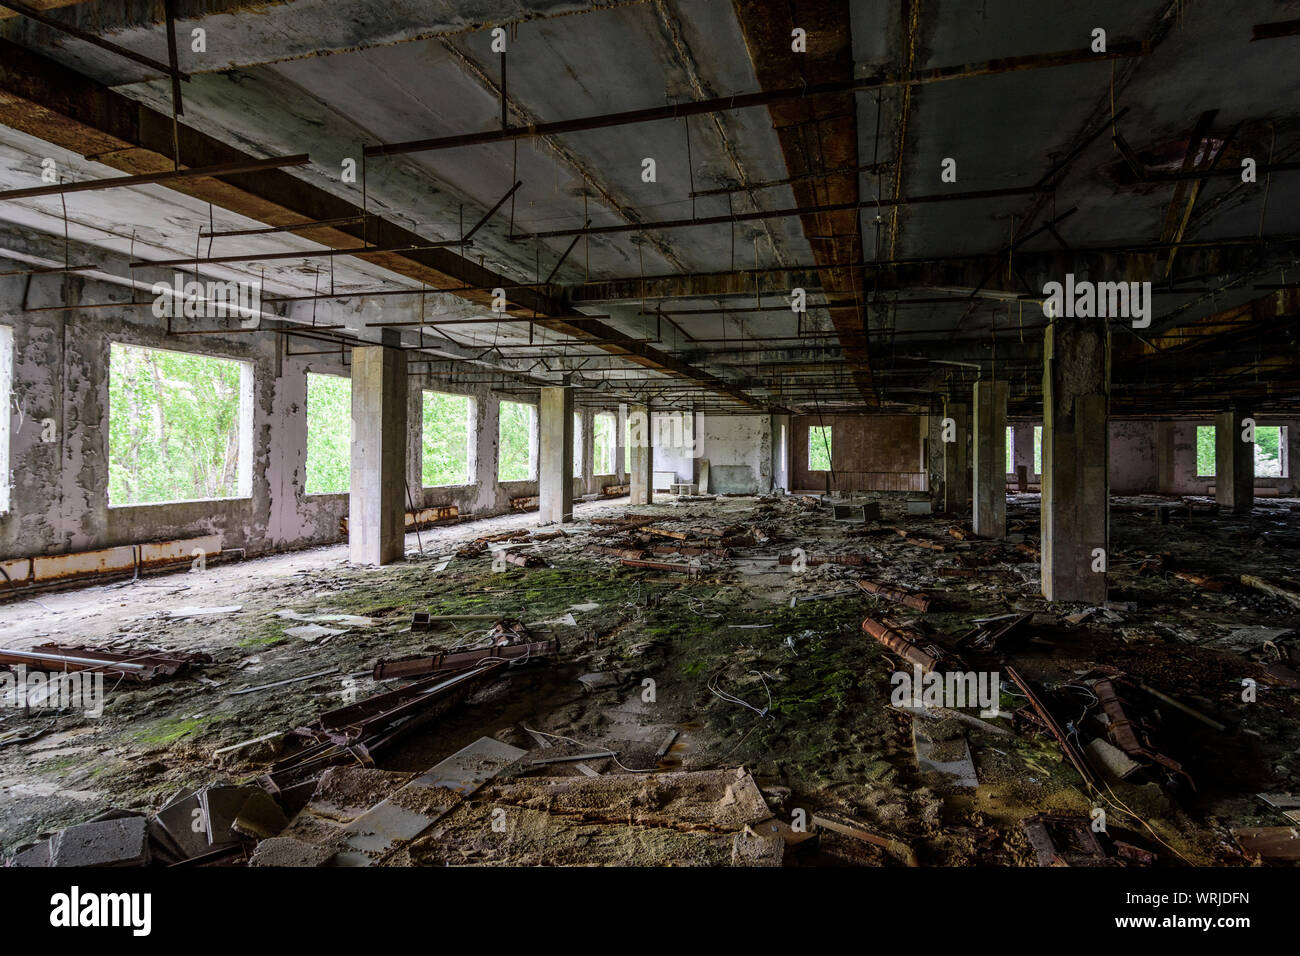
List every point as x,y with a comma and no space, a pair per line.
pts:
818,133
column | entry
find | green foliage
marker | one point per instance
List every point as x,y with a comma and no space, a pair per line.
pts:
173,426
819,448
1205,451
329,434
603,443
1268,452
446,438
515,442
1011,447
1038,449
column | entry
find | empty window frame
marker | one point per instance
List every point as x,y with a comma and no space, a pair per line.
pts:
180,426
517,442
1011,448
446,439
819,447
1271,452
1038,449
329,434
604,431
1205,459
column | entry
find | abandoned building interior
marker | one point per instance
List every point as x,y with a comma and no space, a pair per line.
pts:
657,432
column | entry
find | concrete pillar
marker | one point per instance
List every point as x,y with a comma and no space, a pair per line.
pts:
555,455
989,460
956,457
1234,462
641,478
1074,543
377,503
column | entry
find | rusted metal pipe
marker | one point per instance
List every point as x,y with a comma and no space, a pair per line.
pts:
901,644
912,599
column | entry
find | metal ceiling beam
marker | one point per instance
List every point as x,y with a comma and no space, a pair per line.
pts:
84,36
163,178
789,213
769,97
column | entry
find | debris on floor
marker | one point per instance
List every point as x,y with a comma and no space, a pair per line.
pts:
704,682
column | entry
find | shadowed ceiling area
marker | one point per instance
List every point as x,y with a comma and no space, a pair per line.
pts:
920,169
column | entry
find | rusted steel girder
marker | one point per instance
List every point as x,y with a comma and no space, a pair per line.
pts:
460,660
830,122
134,665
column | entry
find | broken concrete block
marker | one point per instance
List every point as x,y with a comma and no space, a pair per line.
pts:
120,842
311,632
262,749
752,847
183,821
950,756
286,851
598,680
260,817
423,801
1245,639
38,855
1114,761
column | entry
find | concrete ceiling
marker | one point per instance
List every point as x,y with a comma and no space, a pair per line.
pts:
331,78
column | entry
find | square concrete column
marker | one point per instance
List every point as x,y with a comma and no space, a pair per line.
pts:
1234,462
956,457
377,502
989,460
555,455
1074,544
641,478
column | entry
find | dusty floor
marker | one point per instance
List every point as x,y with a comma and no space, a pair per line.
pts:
819,735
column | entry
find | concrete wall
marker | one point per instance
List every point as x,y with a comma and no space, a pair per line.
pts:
59,491
739,452
1133,467
862,447
1159,457
1176,458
